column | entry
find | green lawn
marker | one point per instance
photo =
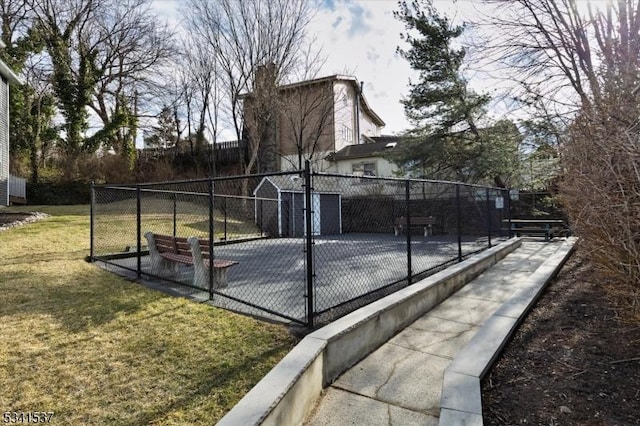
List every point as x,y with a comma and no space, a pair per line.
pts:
115,224
96,349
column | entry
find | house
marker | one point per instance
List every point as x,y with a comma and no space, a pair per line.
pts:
316,118
8,77
366,159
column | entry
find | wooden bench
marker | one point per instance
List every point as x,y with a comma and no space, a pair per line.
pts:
426,222
167,252
547,228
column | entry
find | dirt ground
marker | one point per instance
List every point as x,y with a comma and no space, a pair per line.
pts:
7,218
11,219
572,362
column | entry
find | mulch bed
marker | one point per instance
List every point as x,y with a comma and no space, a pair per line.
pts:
11,219
573,361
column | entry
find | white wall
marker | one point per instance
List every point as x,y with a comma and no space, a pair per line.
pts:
384,168
367,126
344,114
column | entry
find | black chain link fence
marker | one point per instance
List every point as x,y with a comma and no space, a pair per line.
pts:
368,237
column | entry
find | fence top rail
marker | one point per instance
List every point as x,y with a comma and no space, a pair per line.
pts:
202,180
199,194
404,180
133,186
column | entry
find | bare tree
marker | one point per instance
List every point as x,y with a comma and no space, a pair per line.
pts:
201,92
37,112
565,51
577,55
101,53
130,46
307,112
246,35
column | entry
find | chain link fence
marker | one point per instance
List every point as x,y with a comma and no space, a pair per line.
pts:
301,246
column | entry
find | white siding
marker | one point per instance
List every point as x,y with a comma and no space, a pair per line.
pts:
367,126
4,143
383,167
344,114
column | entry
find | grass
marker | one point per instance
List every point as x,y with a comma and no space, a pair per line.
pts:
115,225
96,349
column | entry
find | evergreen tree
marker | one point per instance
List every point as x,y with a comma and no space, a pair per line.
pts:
162,136
440,101
446,141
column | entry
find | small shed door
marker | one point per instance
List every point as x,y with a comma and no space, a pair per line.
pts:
315,215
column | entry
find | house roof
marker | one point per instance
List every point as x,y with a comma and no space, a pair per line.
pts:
331,78
374,148
339,77
7,72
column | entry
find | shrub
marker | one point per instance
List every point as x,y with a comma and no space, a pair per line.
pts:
58,193
601,194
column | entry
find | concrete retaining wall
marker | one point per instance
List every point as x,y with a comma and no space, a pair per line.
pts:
287,394
461,401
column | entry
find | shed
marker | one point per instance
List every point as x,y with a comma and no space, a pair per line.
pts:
280,204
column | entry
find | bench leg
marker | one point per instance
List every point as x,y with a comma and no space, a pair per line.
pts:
201,278
159,265
220,277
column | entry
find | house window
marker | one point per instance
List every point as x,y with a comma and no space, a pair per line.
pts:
364,169
347,133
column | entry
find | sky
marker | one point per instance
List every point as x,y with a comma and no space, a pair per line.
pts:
360,38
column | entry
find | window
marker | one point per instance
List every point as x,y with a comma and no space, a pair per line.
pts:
364,169
347,133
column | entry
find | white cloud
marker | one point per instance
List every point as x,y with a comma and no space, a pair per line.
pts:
360,39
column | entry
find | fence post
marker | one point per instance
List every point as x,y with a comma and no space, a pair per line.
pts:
489,216
459,219
92,222
138,233
224,202
211,238
308,242
407,193
175,213
261,220
508,191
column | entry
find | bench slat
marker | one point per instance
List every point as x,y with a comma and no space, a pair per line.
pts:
178,249
417,221
221,264
180,258
183,247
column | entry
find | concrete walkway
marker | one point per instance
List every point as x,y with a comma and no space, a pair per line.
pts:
401,383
